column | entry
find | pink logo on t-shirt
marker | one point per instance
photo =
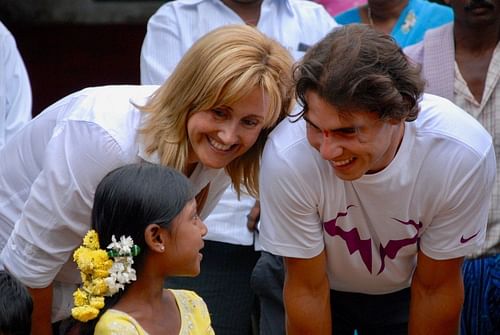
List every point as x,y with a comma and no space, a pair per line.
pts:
355,243
393,246
352,239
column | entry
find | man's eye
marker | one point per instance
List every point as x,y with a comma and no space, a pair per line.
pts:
347,131
311,127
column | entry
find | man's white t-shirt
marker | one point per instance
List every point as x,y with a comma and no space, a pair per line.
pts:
433,196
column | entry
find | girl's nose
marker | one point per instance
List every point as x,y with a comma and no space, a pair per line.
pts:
203,228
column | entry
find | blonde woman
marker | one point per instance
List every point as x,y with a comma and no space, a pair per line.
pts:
210,119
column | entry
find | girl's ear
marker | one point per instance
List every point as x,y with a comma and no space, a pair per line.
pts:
154,237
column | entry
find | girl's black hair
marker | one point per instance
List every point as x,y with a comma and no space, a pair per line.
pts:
16,306
129,199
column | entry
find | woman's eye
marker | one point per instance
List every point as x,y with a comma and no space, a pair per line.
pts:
219,113
250,122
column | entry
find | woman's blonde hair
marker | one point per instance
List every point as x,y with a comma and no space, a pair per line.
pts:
220,69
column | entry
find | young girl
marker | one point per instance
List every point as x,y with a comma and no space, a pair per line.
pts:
145,217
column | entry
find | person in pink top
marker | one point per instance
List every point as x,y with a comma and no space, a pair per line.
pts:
335,7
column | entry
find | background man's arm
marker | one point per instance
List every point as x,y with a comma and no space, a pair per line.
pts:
306,296
437,295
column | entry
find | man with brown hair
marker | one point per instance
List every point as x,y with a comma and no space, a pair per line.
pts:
374,195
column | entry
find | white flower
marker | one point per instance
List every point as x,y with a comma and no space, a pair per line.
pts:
113,286
123,247
121,271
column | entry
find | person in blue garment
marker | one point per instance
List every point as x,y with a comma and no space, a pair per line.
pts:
405,20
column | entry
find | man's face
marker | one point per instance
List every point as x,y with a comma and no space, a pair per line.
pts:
475,13
355,143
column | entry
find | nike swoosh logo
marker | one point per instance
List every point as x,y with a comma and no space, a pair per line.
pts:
465,240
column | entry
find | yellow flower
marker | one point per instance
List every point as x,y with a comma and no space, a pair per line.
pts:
84,313
101,273
99,287
84,260
97,302
91,240
80,297
89,260
85,277
101,260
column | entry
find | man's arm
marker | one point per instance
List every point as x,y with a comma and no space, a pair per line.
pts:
42,310
437,295
306,295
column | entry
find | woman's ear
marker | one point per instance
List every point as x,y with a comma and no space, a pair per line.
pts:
155,238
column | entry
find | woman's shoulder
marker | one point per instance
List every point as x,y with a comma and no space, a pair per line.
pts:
116,322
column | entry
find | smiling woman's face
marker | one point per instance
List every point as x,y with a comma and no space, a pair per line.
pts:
220,135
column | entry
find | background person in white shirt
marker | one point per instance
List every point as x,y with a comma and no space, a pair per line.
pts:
374,195
229,254
210,117
15,89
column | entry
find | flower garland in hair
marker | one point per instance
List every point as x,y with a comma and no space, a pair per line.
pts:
103,273
121,271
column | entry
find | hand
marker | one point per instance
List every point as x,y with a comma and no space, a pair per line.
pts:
253,217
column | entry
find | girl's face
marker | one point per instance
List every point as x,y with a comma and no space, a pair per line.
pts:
220,135
185,242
